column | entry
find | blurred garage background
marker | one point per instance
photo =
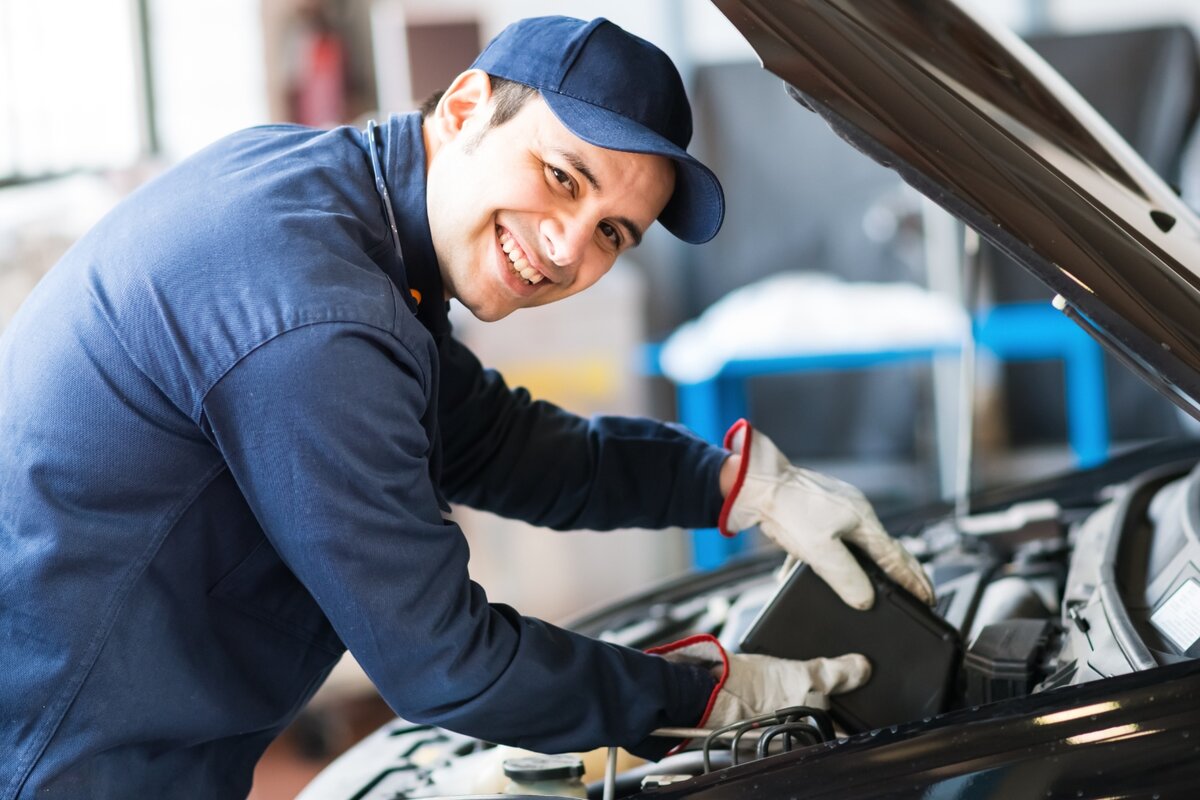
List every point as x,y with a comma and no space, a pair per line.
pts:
97,96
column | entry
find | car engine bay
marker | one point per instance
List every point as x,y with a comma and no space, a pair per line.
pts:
1075,580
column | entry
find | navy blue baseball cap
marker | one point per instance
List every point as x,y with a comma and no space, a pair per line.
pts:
616,91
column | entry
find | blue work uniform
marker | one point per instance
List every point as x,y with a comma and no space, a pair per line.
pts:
229,433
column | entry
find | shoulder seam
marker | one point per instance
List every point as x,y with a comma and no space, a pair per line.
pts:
198,411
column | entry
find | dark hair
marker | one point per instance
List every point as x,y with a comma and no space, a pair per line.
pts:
508,96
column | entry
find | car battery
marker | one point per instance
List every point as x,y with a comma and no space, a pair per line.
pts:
914,653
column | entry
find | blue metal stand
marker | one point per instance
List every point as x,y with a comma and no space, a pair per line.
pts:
1031,331
1021,331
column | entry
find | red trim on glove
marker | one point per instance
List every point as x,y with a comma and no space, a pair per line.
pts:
712,698
731,498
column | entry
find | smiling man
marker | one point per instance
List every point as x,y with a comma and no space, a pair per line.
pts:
551,214
233,413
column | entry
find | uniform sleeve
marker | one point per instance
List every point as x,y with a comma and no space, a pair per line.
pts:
530,460
324,430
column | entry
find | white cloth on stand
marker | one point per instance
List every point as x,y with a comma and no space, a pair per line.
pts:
806,313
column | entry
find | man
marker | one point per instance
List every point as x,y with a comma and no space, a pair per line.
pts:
234,412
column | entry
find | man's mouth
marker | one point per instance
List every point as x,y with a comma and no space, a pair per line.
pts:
517,259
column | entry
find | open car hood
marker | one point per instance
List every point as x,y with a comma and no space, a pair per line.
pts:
978,122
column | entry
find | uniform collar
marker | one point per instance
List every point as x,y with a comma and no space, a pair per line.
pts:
403,159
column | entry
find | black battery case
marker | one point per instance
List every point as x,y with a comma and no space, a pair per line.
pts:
914,653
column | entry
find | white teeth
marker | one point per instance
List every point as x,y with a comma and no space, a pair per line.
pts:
520,264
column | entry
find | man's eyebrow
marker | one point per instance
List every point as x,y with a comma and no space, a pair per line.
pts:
580,166
634,231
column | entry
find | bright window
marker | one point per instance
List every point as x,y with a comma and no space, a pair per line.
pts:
69,90
208,71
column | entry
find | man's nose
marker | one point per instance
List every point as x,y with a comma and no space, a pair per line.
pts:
567,237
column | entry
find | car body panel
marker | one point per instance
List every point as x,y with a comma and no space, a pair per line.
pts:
1130,736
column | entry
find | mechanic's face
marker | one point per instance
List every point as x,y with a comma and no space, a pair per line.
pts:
527,213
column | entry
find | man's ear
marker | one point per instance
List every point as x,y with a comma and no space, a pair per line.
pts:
464,105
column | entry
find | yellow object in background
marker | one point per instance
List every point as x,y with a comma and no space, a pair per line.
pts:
585,380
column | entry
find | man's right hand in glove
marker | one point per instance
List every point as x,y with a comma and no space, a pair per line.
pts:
749,685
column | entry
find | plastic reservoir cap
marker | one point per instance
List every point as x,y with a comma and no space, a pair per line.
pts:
543,768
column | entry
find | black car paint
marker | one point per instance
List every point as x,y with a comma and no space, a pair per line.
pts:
1131,736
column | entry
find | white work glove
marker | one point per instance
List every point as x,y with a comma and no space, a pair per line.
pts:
749,686
810,515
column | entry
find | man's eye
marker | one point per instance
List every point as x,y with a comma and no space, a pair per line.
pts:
560,177
611,233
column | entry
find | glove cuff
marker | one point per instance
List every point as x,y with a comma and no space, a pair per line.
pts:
701,649
737,439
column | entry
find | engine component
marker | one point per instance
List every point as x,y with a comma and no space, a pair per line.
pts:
1008,598
1130,559
1005,659
555,776
1004,531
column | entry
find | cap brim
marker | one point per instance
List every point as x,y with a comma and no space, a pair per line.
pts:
697,206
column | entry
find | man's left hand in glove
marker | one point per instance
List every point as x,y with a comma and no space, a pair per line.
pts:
811,516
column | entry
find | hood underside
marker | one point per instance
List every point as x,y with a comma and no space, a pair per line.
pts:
979,123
